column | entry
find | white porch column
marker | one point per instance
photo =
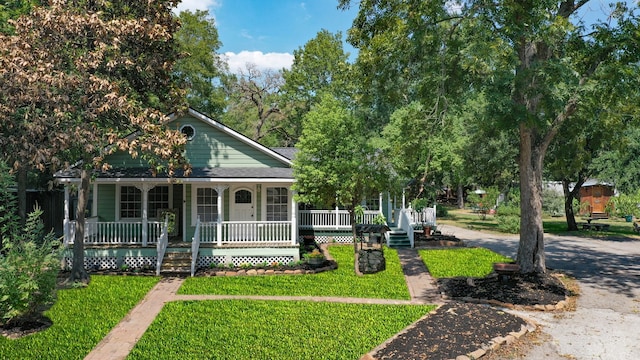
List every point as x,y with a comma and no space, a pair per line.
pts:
294,219
65,222
145,209
220,190
380,204
337,216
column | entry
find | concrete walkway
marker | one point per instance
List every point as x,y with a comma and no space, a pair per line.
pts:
124,336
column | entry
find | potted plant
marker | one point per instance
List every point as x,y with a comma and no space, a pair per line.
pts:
625,206
314,258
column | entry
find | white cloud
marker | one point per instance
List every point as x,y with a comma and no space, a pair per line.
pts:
274,61
194,5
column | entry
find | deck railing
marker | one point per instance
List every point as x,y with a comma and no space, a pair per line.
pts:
104,233
246,232
426,216
331,219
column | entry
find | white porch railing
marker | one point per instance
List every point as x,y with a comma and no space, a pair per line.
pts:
331,219
426,216
195,246
246,232
161,246
104,233
405,222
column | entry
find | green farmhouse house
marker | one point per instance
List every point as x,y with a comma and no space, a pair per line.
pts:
236,207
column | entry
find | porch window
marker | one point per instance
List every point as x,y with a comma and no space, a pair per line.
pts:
130,202
158,199
207,204
277,204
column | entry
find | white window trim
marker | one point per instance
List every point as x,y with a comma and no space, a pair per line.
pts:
194,201
264,199
149,216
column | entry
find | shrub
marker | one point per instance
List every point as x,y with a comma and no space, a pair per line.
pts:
28,270
552,202
508,219
441,211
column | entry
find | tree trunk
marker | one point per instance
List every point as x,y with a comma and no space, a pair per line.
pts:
569,195
22,194
460,196
531,257
78,272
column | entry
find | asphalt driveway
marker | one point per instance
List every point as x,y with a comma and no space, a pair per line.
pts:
607,322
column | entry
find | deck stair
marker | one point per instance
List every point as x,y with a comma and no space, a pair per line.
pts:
398,238
176,262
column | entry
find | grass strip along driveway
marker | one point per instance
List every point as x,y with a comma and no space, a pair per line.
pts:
81,318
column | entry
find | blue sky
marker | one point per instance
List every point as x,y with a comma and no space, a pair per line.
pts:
266,32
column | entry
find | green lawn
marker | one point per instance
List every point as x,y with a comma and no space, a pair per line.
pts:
81,318
618,227
235,329
343,282
468,262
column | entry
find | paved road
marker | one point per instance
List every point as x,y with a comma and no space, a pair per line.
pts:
606,324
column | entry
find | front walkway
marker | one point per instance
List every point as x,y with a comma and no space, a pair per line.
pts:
124,336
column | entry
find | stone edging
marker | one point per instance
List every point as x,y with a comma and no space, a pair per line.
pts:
561,305
257,272
498,341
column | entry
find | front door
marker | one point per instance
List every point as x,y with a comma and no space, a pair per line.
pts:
243,211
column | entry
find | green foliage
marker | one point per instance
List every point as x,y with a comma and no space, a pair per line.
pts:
625,204
321,66
419,204
387,284
508,218
552,202
202,69
335,162
8,215
247,329
28,270
81,318
467,262
441,211
12,9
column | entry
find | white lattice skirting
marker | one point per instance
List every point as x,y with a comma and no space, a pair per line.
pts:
324,239
112,262
206,261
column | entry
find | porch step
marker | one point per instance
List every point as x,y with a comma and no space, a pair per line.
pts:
176,262
398,239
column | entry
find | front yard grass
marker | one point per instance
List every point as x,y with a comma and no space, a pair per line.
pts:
467,262
81,318
244,329
343,282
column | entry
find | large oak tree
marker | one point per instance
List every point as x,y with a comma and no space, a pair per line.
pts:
78,77
537,61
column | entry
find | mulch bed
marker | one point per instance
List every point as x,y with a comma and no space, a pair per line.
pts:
24,327
455,329
459,328
527,290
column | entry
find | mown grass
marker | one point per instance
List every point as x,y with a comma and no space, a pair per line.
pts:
236,329
465,218
343,282
81,318
467,262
